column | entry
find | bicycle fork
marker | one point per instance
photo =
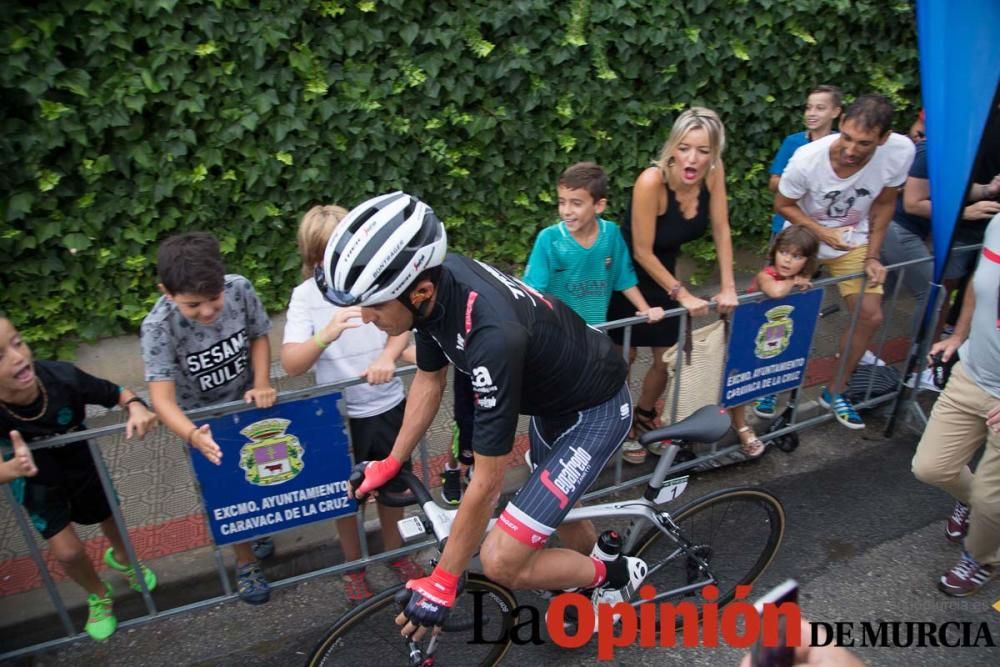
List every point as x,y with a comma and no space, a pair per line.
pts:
419,658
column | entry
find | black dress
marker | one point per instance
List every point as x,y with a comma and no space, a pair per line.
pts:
672,231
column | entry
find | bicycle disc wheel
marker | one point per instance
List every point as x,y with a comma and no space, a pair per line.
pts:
733,533
477,631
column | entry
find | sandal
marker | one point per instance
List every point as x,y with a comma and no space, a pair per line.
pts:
633,452
751,446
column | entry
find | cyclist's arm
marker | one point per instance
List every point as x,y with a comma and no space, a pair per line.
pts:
496,357
422,405
474,513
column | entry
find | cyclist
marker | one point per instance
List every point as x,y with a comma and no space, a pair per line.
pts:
526,354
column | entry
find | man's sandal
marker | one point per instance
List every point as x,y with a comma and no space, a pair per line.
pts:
751,446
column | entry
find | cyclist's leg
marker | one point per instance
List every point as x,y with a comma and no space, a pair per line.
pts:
577,535
512,552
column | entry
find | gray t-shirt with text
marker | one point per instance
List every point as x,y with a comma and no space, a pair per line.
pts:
209,364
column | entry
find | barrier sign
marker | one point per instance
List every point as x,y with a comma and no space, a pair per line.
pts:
282,467
769,346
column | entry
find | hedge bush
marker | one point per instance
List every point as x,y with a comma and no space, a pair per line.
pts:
125,122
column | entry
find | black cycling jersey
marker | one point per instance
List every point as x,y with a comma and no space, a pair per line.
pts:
526,353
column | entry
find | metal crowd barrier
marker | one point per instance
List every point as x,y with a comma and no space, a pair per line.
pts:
620,480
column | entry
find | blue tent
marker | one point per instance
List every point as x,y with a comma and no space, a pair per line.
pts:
959,44
959,48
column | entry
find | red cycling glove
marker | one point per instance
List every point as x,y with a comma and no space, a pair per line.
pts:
432,598
377,473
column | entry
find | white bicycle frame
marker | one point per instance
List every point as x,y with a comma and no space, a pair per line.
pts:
640,510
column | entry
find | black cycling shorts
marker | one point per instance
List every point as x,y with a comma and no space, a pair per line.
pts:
569,453
372,439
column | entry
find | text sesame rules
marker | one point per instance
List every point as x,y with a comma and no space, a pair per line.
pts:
283,467
769,346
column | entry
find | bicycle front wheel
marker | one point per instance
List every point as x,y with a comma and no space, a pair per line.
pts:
477,631
731,537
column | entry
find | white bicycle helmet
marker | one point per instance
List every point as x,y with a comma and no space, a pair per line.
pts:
379,249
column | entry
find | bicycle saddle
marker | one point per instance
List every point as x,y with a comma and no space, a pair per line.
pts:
707,424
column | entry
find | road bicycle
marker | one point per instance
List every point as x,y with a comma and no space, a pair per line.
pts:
726,538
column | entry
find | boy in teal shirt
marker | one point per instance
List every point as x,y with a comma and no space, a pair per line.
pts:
584,258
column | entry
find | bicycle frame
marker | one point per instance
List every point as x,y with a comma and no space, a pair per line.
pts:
640,510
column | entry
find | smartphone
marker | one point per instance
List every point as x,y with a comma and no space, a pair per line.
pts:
780,655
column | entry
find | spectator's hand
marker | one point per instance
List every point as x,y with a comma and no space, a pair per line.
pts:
726,301
946,347
262,397
141,420
981,210
875,271
836,237
380,371
993,419
695,306
820,656
343,319
654,314
993,187
23,461
202,440
802,282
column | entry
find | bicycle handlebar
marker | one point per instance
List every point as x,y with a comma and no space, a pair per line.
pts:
417,495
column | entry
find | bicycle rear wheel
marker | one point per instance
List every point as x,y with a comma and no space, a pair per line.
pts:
477,631
732,535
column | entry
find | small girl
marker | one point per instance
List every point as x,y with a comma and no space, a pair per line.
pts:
791,264
338,345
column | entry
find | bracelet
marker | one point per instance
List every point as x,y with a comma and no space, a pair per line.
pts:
319,342
675,290
194,429
136,399
871,257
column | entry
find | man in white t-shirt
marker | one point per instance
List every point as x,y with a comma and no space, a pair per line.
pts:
843,187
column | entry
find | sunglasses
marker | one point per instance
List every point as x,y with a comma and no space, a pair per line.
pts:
336,297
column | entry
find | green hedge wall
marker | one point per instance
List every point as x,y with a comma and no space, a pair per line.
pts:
125,122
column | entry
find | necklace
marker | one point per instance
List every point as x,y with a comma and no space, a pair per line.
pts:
45,405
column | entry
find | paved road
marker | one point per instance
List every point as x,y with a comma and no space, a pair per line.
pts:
864,539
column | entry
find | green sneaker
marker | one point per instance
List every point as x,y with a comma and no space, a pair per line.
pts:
101,623
129,572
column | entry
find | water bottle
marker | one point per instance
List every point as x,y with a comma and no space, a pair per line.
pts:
608,547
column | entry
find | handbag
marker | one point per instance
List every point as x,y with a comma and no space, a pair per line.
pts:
704,359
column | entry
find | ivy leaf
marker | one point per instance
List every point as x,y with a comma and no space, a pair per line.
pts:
18,206
77,81
76,242
409,33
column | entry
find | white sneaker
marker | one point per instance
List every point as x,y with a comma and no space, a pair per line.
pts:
636,573
926,381
869,359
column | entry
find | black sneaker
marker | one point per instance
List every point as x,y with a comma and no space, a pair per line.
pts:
451,486
263,548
